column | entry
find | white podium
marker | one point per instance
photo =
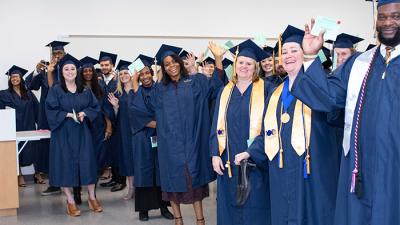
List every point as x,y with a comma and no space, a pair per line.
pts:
9,201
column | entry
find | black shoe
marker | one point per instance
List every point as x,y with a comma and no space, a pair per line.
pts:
144,216
118,187
51,191
166,213
110,183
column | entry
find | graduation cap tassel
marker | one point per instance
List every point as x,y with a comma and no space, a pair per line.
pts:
273,63
234,63
280,49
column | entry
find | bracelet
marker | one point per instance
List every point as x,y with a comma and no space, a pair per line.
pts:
310,56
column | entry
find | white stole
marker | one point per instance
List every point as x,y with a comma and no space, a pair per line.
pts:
357,74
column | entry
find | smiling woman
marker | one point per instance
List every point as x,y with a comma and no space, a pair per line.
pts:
70,108
180,105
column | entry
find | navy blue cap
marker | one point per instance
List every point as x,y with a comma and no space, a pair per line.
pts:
370,46
166,50
250,49
16,70
384,2
69,59
57,45
88,62
226,62
108,56
276,49
328,63
292,34
123,65
268,50
184,54
344,40
209,60
146,60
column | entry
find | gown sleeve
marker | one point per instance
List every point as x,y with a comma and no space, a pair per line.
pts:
321,92
93,108
55,115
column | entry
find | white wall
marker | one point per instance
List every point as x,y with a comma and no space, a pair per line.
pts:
27,26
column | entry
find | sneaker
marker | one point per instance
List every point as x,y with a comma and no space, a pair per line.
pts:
51,191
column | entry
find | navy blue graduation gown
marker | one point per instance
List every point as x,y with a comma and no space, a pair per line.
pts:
274,79
256,210
72,156
110,157
26,113
98,127
147,172
294,199
379,142
124,137
35,83
182,114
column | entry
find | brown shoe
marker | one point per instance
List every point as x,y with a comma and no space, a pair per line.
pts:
73,210
95,206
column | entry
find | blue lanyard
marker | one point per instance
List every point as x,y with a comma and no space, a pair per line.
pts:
287,98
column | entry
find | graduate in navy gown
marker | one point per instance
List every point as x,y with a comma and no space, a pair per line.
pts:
101,127
267,67
246,93
147,173
109,81
69,108
301,148
123,136
39,80
26,112
367,86
179,104
343,47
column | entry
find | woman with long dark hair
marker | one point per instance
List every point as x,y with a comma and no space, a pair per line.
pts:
26,108
69,108
180,105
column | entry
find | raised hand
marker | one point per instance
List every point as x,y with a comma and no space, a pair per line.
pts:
113,100
191,59
216,50
312,44
52,65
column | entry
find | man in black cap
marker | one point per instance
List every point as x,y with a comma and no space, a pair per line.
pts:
109,81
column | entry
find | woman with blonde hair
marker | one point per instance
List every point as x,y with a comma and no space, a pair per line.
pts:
237,121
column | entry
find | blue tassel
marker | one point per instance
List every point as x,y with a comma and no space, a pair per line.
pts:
305,169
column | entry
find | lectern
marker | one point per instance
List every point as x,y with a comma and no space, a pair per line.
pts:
9,201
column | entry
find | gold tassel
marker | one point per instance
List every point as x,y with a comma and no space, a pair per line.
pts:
234,65
280,158
308,164
228,165
273,63
280,49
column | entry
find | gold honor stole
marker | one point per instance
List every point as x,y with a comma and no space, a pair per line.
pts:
256,114
301,123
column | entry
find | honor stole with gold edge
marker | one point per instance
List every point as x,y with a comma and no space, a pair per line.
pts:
256,116
301,130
